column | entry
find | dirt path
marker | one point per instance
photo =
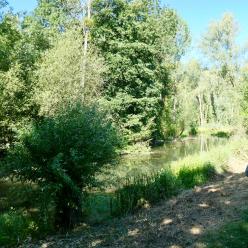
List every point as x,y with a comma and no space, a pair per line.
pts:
179,222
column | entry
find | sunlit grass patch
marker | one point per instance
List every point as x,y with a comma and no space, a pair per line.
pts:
190,177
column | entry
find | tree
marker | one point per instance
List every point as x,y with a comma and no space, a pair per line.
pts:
62,65
3,5
61,155
22,42
220,47
15,105
219,42
9,37
137,45
13,92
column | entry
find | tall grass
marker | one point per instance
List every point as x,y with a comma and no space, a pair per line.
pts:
145,190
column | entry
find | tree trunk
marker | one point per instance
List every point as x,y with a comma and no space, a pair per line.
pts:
200,110
68,211
213,106
85,45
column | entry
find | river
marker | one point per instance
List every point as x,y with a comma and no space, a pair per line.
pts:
159,158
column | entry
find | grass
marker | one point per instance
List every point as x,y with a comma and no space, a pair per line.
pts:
190,177
231,235
146,190
15,227
19,215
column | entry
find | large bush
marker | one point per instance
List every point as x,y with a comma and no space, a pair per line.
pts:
61,155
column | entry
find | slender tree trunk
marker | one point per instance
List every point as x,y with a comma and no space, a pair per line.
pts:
174,109
213,106
85,45
200,110
202,143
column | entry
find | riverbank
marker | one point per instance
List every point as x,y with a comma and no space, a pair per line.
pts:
102,206
149,186
214,130
183,221
158,158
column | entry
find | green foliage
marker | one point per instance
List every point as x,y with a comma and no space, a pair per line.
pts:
219,45
31,208
57,15
219,42
145,189
15,107
62,154
142,190
49,80
190,177
139,48
222,134
62,65
9,36
19,51
171,123
15,228
211,90
193,129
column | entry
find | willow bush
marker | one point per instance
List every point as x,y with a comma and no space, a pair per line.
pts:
61,155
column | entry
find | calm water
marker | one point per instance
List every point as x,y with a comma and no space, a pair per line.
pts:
160,157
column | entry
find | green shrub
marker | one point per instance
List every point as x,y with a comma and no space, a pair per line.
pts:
61,155
193,129
222,134
14,228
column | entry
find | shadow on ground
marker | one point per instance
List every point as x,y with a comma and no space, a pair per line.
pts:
180,222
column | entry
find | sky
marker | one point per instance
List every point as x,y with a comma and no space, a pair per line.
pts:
197,13
22,5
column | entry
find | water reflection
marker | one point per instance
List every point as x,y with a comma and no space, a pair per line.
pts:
160,157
